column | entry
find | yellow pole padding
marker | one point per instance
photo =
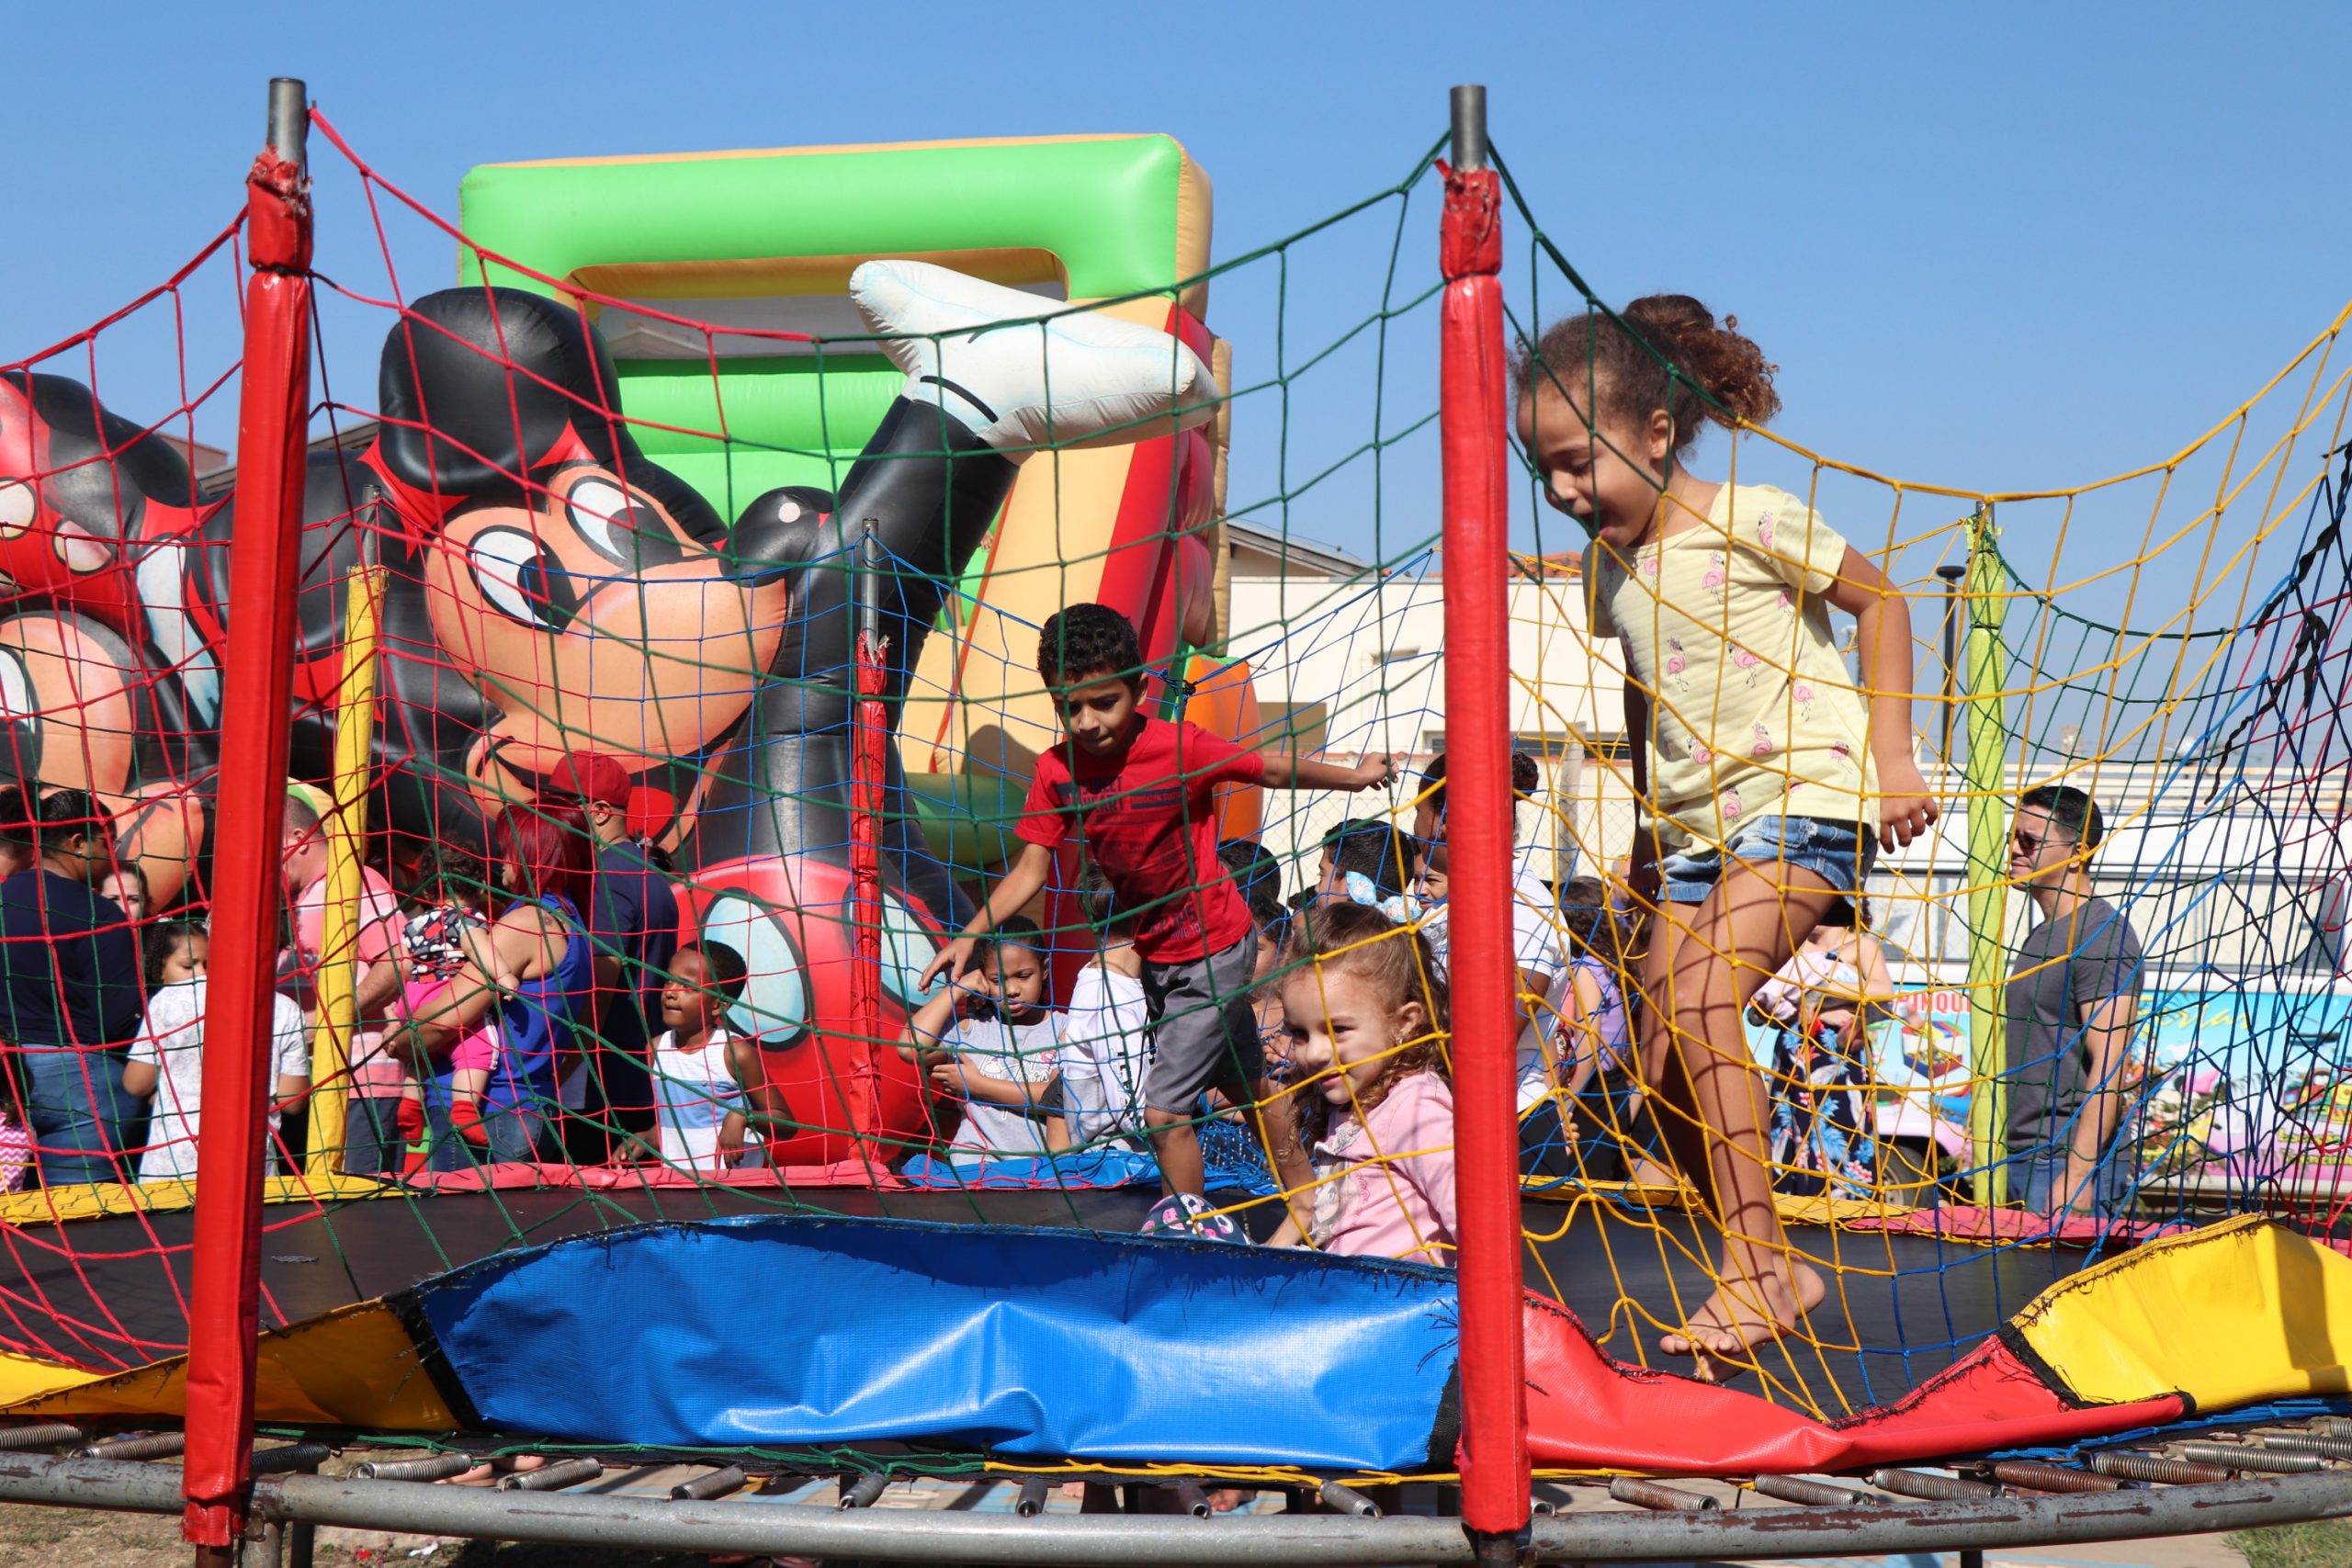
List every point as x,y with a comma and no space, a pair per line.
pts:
1988,859
346,825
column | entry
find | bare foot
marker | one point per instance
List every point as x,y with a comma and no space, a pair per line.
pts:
1724,1333
486,1473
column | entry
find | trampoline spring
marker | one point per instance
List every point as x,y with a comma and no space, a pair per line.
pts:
2326,1448
2051,1477
553,1477
46,1435
1670,1499
1345,1499
153,1445
431,1467
2332,1426
288,1457
862,1492
1031,1500
1813,1493
2154,1467
2269,1462
706,1488
1193,1500
1930,1488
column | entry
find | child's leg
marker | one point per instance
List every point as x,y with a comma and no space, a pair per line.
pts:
1201,1033
1710,960
1178,1148
465,1088
1276,1114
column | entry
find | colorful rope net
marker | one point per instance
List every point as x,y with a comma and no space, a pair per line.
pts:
708,699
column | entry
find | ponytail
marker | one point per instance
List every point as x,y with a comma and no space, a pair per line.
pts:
1663,351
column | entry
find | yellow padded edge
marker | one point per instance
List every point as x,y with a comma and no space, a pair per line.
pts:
27,1377
2238,1312
354,1367
46,1206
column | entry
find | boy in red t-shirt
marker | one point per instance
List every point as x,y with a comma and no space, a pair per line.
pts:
1139,792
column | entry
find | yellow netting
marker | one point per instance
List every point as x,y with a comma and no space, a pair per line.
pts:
2164,640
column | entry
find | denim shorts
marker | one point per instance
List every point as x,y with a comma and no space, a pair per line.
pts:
1840,853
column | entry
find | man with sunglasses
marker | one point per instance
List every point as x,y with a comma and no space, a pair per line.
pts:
2071,1002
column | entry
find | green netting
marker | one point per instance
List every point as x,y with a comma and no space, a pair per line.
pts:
2166,641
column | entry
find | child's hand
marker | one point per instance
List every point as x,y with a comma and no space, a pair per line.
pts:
1376,769
951,961
1905,809
1635,881
948,1078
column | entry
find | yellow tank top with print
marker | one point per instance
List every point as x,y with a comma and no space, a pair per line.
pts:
1753,711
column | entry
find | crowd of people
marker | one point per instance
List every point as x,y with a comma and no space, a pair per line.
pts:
535,1004
502,1013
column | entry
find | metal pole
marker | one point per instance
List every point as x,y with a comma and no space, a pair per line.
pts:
273,420
355,731
1951,575
1988,860
622,1522
288,128
1469,144
1474,412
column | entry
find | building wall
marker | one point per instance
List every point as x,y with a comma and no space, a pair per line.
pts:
1365,655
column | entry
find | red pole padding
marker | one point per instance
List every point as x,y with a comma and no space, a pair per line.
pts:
869,754
273,420
1471,412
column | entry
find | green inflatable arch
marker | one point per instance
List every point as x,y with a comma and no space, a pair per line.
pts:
765,240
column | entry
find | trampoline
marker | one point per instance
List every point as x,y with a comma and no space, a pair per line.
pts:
110,1294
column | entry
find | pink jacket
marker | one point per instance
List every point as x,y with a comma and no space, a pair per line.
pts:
1390,1192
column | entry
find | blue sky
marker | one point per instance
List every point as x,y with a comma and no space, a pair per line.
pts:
2003,245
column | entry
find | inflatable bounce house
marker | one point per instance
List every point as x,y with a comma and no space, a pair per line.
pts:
719,282
684,600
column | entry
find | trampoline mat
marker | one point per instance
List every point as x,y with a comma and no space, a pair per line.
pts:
112,1292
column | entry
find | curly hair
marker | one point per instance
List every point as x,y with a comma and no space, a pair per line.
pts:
1663,351
727,970
1083,643
1395,960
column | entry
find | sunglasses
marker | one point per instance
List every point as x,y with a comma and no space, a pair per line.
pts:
2032,844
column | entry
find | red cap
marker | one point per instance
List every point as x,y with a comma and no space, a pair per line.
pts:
591,777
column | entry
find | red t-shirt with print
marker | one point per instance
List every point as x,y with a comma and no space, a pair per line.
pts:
1147,814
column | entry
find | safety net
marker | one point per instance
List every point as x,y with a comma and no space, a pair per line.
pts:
683,657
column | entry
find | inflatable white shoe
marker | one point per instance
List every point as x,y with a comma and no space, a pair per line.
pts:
1081,379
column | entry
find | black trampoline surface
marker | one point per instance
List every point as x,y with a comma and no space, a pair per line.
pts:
111,1292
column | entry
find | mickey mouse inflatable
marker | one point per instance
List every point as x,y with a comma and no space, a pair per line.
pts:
550,589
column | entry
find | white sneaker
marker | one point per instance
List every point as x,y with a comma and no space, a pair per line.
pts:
1081,379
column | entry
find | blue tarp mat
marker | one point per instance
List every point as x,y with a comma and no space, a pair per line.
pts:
1096,1168
799,1330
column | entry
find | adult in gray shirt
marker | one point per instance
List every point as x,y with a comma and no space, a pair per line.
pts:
2072,998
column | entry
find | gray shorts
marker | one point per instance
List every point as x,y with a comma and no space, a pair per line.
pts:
1203,1033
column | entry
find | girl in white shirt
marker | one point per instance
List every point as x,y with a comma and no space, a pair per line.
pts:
167,1059
1000,1062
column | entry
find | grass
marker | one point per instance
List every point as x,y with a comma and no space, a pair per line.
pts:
2325,1543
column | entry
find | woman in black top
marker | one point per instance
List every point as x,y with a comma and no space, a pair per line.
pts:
70,991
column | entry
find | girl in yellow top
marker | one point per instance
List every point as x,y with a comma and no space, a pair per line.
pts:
1769,780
